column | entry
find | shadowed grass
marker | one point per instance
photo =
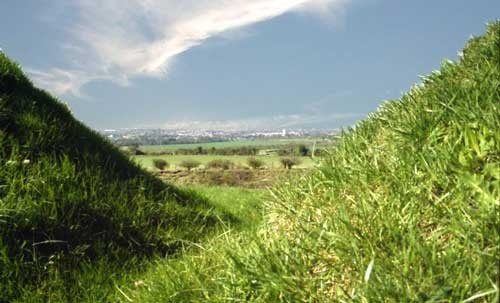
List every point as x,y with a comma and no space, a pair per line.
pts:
108,280
68,197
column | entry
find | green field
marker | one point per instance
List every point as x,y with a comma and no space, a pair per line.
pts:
174,160
245,205
235,144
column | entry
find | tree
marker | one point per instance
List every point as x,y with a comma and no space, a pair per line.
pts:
288,163
303,150
189,164
160,164
255,163
134,150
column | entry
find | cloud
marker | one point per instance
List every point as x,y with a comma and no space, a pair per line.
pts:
121,39
60,81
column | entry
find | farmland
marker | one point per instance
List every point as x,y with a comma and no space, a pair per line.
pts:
229,170
239,143
230,163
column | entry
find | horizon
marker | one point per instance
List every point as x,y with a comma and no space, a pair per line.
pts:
310,64
223,126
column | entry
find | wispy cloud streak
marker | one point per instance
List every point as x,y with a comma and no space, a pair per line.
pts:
121,39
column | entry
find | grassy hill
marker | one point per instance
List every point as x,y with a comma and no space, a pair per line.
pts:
67,196
404,209
407,207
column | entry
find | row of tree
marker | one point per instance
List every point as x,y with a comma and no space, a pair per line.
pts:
291,150
225,151
223,164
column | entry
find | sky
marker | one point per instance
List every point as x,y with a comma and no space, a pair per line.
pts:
234,64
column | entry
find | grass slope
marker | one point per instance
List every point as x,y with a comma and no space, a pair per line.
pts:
68,197
405,209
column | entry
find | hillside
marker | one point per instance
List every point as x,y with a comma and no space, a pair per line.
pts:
68,196
404,209
407,208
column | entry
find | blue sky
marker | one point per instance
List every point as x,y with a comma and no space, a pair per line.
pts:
234,63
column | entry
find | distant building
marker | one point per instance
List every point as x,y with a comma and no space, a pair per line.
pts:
283,133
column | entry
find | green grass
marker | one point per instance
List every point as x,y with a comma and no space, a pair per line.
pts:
404,209
246,205
230,144
174,160
110,281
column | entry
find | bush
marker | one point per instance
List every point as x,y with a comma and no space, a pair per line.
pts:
303,150
288,163
189,164
160,164
255,163
220,164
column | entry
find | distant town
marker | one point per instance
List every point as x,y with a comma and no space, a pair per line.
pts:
149,136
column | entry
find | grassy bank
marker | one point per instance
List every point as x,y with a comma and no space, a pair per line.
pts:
108,280
70,200
404,209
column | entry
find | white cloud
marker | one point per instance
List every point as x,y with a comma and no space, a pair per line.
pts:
121,39
60,81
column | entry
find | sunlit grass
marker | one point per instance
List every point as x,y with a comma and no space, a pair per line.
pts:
405,209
